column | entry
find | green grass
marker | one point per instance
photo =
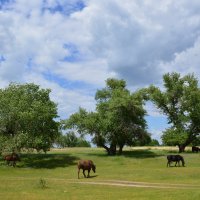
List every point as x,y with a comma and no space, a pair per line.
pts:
54,176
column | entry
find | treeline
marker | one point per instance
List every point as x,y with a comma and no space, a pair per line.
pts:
71,140
29,119
119,118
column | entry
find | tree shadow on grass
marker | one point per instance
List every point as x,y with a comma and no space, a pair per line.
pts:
48,161
134,154
141,154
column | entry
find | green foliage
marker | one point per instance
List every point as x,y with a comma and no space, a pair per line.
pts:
71,140
180,101
118,120
196,142
173,137
153,142
83,143
27,117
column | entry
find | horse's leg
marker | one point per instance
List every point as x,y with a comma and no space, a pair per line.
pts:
88,173
8,162
182,163
178,161
168,163
84,173
78,172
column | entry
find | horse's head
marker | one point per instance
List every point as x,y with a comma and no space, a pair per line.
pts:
94,168
183,162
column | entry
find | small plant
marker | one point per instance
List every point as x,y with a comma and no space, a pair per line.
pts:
42,183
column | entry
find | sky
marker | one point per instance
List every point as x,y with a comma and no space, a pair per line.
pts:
73,46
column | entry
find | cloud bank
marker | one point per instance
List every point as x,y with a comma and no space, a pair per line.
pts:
73,46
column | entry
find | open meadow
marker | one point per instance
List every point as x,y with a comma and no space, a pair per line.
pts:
140,173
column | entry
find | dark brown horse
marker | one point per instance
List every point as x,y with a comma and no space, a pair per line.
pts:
86,165
11,159
175,158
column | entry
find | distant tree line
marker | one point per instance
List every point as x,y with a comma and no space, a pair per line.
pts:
71,140
29,119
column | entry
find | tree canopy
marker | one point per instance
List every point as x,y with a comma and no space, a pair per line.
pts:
118,119
180,102
27,117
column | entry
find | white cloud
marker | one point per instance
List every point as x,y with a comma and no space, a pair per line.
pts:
130,39
152,110
68,100
156,134
185,62
134,40
91,72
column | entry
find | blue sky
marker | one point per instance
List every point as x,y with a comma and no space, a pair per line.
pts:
73,46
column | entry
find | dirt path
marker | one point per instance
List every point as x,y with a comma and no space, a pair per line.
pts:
138,184
117,183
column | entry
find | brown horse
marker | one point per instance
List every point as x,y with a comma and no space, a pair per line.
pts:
86,165
11,159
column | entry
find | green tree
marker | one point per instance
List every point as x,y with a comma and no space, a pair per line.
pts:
27,117
180,102
153,142
117,121
71,140
196,142
83,143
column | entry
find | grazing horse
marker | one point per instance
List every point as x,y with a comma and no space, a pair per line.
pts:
11,159
175,158
86,165
195,149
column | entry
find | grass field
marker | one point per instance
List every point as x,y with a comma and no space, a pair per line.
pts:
140,173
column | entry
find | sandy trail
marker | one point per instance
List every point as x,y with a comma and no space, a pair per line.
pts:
138,184
117,183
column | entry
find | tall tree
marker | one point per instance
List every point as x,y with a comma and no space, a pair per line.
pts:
27,117
180,102
117,121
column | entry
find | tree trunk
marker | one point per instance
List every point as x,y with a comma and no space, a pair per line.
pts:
120,149
112,149
106,148
181,148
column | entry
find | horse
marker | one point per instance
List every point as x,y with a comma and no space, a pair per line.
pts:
86,165
11,159
195,149
175,158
